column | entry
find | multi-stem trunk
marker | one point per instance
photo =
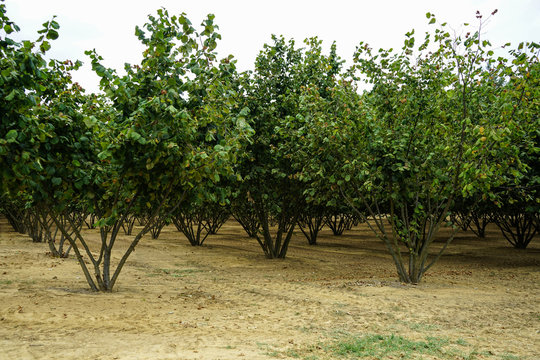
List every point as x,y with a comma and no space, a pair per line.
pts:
310,227
104,279
193,225
401,238
275,246
518,228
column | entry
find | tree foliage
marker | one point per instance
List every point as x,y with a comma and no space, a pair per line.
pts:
169,123
432,128
445,133
272,187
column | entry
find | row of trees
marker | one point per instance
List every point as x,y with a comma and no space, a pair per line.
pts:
445,131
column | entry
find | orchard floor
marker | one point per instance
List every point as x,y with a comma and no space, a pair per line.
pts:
225,300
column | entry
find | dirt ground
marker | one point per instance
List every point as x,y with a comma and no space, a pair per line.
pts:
225,300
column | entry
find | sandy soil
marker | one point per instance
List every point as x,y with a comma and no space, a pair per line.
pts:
226,301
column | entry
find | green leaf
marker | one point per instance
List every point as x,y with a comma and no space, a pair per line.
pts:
90,122
56,181
104,154
134,135
52,35
45,46
172,109
11,136
138,32
11,95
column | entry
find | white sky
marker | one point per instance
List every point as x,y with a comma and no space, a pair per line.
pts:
108,26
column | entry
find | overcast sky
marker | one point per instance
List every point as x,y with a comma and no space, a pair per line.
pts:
108,26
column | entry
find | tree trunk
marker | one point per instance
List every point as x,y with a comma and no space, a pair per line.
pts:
310,227
518,228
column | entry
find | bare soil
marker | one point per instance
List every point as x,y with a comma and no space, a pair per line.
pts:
225,300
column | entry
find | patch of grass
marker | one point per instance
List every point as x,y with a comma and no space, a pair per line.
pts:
272,353
268,350
6,282
346,346
293,354
382,346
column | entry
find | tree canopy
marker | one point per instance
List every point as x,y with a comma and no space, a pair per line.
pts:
441,124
